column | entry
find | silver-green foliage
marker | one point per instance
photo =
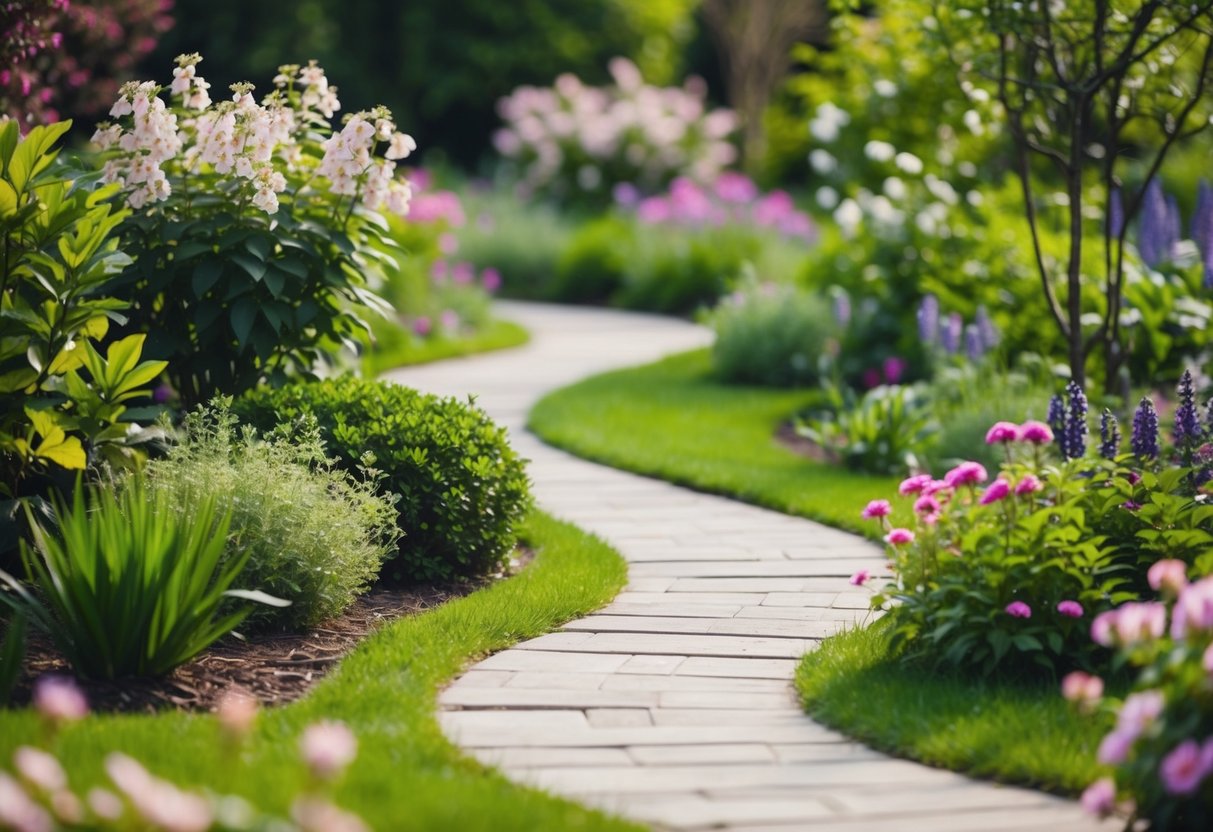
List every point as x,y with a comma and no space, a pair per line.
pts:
312,533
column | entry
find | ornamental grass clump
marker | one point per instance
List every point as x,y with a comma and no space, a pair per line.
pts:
1161,749
306,530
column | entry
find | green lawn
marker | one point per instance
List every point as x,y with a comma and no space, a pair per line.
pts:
673,420
1018,733
407,776
396,347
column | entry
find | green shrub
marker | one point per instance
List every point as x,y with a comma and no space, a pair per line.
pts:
591,268
463,489
523,242
680,272
129,585
311,533
886,431
772,335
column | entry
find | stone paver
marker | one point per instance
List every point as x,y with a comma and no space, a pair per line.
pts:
673,705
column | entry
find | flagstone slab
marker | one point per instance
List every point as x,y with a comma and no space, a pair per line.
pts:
673,705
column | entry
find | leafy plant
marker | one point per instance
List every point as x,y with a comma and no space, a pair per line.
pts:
887,430
463,490
306,530
127,586
12,654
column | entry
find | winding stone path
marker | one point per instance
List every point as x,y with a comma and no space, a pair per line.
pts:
674,705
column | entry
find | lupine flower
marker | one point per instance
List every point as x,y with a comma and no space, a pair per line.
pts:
861,577
1144,440
899,537
1070,609
1099,798
951,331
1057,420
1038,433
327,748
995,492
966,473
1202,217
1187,422
59,699
876,509
1029,484
914,484
1116,214
1018,609
974,348
1003,432
842,308
985,329
1075,446
1154,232
928,320
1109,435
1209,417
1169,575
1081,687
1184,768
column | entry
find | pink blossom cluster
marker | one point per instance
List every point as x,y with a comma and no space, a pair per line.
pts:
261,144
732,199
576,136
1034,433
437,206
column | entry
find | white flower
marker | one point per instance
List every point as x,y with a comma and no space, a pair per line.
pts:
879,151
908,162
822,161
972,120
848,215
884,88
828,122
827,197
400,146
894,188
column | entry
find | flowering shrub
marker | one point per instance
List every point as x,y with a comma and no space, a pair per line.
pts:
1161,749
575,142
731,200
255,225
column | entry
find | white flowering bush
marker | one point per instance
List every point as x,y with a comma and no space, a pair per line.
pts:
575,143
253,222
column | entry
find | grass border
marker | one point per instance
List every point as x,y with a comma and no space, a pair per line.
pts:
395,347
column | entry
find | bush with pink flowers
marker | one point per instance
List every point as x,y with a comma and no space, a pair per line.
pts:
1161,750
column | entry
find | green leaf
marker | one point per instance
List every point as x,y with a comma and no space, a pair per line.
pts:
253,267
206,274
243,314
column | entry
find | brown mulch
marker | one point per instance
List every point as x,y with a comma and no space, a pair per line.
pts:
274,668
787,437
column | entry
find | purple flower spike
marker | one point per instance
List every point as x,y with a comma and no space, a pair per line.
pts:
974,348
1116,214
1154,230
985,326
1144,440
928,320
1187,422
951,332
1076,423
1057,422
1202,217
1109,435
842,308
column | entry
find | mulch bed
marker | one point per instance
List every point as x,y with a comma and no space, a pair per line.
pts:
273,668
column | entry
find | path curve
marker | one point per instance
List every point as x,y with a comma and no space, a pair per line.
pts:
674,704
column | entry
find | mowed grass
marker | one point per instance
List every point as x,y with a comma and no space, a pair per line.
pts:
675,421
396,347
407,775
1017,733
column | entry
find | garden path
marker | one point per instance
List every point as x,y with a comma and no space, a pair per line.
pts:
674,704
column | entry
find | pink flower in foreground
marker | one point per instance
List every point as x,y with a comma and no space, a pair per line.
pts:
995,492
1100,797
1030,484
490,279
876,509
59,699
966,473
1018,609
1168,575
1138,622
18,810
1003,432
1183,768
1070,609
327,748
861,577
1194,609
39,768
237,712
1102,628
899,537
1139,710
315,814
914,484
1038,433
927,504
1114,748
1081,687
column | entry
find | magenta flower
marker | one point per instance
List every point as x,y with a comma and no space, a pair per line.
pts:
1002,432
1099,798
1183,768
914,484
894,368
861,577
927,504
59,699
899,537
1169,575
935,487
871,378
1081,687
1038,433
1070,609
1193,610
966,473
422,326
1129,505
490,279
1028,485
997,490
876,509
1018,609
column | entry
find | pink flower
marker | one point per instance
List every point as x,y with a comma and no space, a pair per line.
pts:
1115,747
39,769
490,279
935,487
894,368
899,537
327,748
59,699
861,577
871,378
1003,432
422,326
914,485
1102,628
1183,768
237,712
1018,609
927,505
1194,609
966,473
876,509
997,490
1038,433
18,810
315,814
1099,798
1081,687
1139,710
1168,575
1138,622
1070,609
1028,485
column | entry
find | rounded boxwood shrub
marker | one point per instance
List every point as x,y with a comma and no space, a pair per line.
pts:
463,490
